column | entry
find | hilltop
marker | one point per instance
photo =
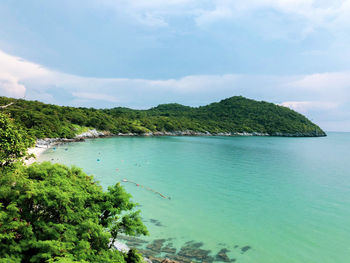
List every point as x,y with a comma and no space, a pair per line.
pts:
235,115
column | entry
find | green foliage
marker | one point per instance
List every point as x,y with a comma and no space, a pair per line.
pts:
52,213
133,256
14,142
235,114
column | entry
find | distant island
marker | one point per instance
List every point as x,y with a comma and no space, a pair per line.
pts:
232,116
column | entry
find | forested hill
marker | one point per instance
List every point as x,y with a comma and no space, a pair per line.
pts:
233,115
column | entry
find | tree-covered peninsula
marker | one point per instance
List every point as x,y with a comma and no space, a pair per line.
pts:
234,115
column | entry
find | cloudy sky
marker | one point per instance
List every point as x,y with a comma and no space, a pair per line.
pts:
140,53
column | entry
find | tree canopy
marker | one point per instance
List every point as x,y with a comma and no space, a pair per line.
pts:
235,114
52,213
14,141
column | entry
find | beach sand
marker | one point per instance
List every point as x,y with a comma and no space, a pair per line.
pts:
37,151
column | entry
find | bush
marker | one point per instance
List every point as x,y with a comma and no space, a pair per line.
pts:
14,142
52,213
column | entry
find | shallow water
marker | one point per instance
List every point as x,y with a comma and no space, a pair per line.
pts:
287,199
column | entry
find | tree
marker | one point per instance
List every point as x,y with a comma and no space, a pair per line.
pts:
52,213
14,142
235,114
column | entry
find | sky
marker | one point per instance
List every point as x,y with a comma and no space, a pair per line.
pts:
141,53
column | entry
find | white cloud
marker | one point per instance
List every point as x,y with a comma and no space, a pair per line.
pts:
14,71
311,15
20,68
317,13
321,81
95,96
329,85
10,87
198,83
306,106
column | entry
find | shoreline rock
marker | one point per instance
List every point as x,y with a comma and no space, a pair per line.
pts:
91,134
194,133
48,142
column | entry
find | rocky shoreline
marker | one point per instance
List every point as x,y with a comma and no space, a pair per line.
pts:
43,144
48,142
163,250
194,133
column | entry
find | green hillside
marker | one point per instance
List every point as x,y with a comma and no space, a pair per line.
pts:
233,115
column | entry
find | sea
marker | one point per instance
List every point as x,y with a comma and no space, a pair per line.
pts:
229,199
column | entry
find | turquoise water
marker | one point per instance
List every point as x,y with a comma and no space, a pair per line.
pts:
286,198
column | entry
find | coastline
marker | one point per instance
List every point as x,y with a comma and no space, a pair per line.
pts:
36,151
228,134
42,145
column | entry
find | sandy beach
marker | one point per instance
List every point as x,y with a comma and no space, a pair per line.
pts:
37,151
42,145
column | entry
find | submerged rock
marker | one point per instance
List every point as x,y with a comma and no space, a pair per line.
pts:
148,253
170,261
156,246
181,259
155,222
192,250
169,250
156,260
132,239
245,249
134,244
193,244
222,256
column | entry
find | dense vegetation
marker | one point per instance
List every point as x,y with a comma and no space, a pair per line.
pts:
14,142
52,213
235,114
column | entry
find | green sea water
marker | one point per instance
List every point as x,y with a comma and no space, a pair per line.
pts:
288,199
